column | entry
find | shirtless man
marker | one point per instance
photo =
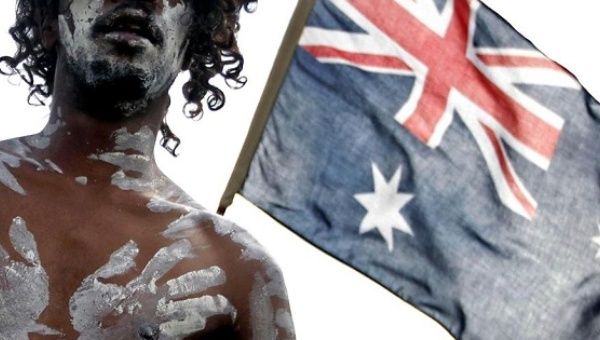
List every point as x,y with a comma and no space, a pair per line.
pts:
95,242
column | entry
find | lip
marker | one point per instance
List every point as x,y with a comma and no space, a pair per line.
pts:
126,38
128,26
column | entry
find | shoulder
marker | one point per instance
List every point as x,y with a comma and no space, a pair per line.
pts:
18,152
266,295
254,281
235,246
13,152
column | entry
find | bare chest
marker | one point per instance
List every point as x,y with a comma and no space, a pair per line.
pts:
75,265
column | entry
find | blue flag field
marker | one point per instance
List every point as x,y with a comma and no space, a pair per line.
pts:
433,148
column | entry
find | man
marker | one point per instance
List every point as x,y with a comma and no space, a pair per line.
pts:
95,242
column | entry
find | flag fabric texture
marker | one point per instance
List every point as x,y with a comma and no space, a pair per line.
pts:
433,148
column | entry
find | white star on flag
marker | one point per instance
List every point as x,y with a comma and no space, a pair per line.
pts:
383,207
597,241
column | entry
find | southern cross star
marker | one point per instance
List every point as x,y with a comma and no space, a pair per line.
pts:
383,206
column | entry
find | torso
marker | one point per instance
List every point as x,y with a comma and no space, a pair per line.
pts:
204,277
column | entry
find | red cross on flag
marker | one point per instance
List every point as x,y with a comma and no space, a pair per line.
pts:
435,46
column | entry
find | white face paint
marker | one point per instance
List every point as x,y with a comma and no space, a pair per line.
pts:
103,55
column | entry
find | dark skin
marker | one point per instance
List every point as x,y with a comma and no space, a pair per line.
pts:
77,227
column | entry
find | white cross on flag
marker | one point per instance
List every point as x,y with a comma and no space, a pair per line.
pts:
433,148
436,47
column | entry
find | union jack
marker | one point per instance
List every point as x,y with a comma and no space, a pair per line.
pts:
432,41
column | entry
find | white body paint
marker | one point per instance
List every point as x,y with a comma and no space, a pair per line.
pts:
133,152
53,166
263,318
171,310
15,151
157,66
266,322
283,319
266,287
24,292
42,140
83,180
141,305
261,311
138,160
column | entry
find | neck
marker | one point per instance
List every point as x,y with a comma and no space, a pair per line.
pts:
77,132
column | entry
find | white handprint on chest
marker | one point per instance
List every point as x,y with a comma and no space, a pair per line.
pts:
141,308
24,290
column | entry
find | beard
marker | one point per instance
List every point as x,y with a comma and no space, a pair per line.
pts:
113,89
117,74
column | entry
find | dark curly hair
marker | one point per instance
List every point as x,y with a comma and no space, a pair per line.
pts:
212,50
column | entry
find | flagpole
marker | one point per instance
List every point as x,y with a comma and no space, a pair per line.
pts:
267,100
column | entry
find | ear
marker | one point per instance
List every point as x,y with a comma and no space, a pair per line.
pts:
49,33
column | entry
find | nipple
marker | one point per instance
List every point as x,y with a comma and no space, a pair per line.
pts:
149,332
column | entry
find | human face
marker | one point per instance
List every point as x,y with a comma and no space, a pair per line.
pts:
135,46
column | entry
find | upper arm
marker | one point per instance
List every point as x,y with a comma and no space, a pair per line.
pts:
269,310
255,285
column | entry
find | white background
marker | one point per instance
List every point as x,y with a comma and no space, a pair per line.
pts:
329,301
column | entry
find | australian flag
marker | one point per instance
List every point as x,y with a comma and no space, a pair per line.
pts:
430,146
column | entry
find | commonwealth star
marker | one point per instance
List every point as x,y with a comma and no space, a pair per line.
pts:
383,207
